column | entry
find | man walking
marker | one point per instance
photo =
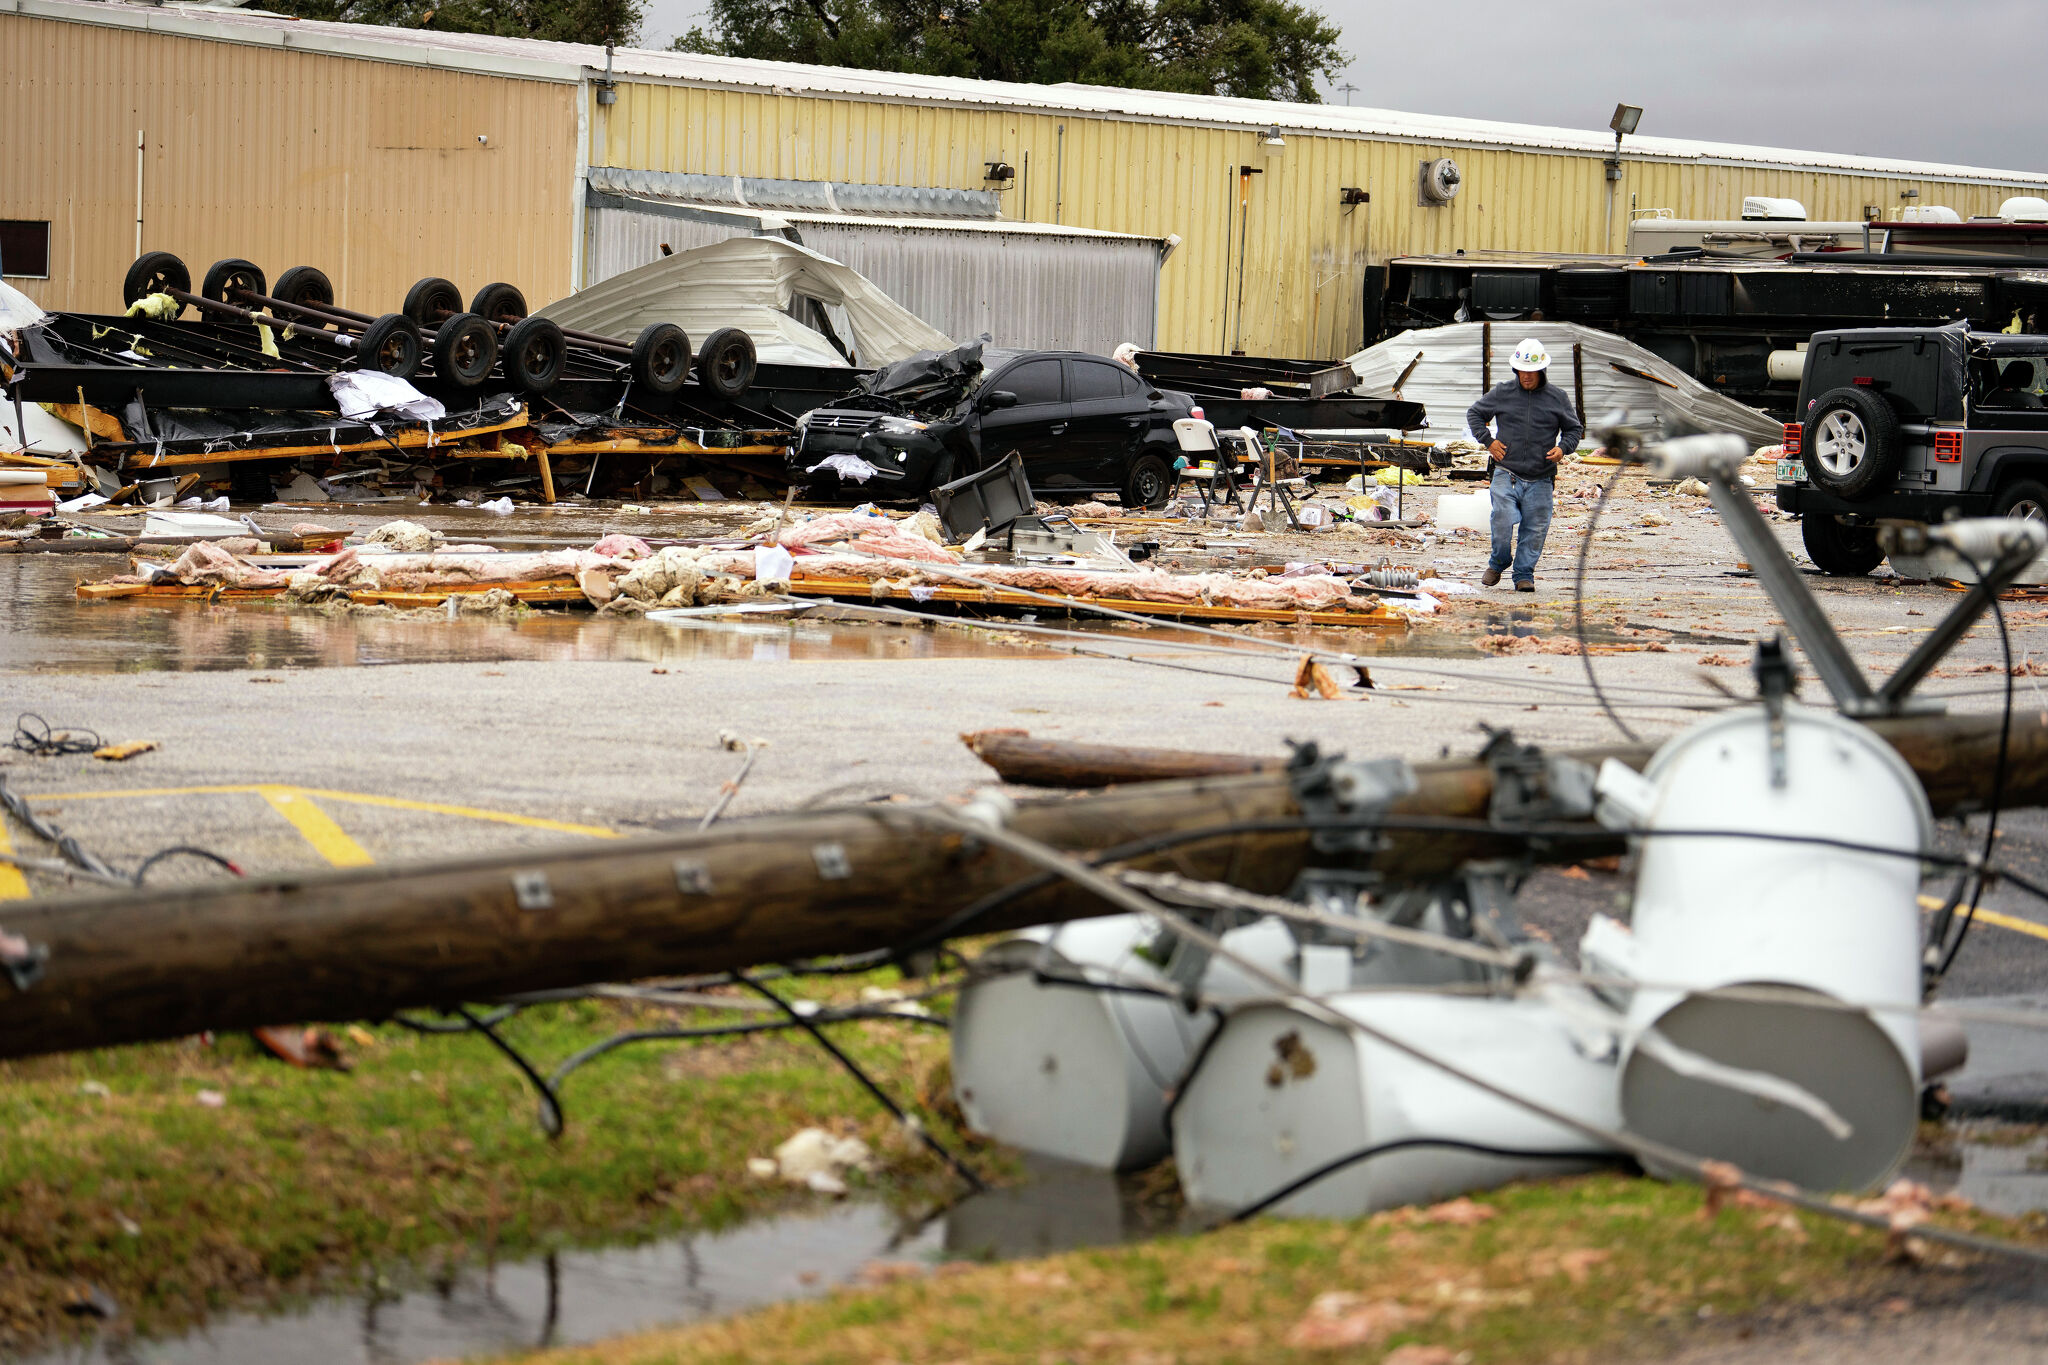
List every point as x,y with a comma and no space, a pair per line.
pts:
1533,425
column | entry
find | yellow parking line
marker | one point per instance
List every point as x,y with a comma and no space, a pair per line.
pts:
466,812
1993,918
318,829
13,886
358,798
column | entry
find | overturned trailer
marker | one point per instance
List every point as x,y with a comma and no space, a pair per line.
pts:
1736,323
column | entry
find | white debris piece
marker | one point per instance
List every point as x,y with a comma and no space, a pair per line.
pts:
851,467
362,394
820,1160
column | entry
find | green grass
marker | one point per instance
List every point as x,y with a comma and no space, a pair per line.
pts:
426,1155
1591,1269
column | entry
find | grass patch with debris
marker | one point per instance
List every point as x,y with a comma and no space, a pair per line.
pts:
117,1171
1573,1270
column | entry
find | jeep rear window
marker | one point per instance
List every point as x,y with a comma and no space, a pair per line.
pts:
2008,381
1907,371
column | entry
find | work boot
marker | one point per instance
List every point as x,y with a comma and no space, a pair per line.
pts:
1490,577
1525,585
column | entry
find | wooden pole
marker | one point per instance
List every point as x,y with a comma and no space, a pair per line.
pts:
361,942
1486,357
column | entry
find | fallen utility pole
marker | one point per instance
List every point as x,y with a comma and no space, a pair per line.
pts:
1953,759
360,943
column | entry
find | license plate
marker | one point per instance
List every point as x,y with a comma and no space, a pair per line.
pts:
1791,471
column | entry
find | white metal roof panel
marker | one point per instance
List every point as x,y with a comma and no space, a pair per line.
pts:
572,61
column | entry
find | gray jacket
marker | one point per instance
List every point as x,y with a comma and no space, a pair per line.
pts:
1529,424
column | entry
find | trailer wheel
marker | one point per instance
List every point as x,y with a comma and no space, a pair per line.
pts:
152,273
499,303
465,349
431,297
535,352
306,286
726,365
661,357
225,277
390,344
1852,444
1838,550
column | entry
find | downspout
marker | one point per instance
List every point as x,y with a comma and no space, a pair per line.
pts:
579,190
138,191
1059,175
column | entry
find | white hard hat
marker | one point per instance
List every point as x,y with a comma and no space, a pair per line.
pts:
1530,355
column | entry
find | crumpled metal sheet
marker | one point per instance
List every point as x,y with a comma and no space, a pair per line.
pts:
751,283
1448,378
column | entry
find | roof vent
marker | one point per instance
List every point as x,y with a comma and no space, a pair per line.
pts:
1932,213
2024,208
1762,208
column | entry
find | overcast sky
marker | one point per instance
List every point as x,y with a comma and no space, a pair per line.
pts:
1952,82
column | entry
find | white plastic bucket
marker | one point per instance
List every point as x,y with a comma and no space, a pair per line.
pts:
1718,912
1464,511
1279,1094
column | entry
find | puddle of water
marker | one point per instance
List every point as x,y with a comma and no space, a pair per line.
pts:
2009,1177
47,628
572,1297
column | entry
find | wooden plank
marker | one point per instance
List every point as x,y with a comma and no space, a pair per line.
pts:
547,474
525,591
633,445
444,442
861,590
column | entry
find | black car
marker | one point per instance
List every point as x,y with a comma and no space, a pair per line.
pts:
1082,423
1913,424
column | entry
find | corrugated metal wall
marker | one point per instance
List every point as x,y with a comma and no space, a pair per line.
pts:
1306,250
1026,289
370,170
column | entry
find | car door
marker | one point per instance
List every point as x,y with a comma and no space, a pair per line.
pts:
1036,427
1111,413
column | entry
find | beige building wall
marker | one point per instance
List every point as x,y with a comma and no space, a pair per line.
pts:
370,170
1305,251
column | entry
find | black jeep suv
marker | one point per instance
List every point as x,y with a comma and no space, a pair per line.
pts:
1921,424
1083,423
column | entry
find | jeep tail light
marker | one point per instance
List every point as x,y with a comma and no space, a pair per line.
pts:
1794,435
1948,445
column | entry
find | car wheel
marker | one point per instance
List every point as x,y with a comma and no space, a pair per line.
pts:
2026,499
1843,551
1149,483
1852,444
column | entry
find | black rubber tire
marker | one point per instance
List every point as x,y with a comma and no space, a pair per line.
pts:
152,273
499,303
535,353
1851,414
390,344
429,298
726,365
661,357
465,349
1149,483
230,274
1843,551
2024,498
305,285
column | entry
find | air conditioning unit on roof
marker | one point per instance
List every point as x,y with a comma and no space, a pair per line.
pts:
1765,209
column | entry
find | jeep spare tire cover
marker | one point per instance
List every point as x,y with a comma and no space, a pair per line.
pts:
1852,443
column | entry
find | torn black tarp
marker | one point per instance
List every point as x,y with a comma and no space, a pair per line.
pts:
927,381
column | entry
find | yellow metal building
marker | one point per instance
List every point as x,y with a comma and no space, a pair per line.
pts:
383,155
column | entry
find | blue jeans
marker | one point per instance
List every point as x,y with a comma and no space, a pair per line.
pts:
1526,502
